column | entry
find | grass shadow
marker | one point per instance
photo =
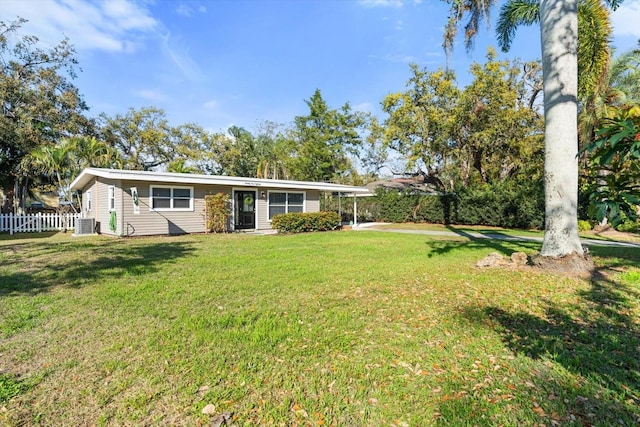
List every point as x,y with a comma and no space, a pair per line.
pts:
611,257
504,246
596,340
37,266
28,236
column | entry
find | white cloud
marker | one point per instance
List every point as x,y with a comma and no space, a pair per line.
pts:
180,57
365,107
407,59
626,20
184,10
124,15
121,26
187,11
211,105
114,25
381,3
386,3
152,95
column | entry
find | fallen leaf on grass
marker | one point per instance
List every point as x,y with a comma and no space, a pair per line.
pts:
538,410
299,411
209,409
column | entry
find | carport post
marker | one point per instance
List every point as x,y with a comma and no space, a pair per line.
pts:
355,209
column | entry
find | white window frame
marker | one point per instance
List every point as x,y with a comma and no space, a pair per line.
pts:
88,201
171,199
111,197
286,201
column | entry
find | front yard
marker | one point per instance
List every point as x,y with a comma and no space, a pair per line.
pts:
336,329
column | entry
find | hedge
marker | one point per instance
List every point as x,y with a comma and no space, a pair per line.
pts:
300,222
508,205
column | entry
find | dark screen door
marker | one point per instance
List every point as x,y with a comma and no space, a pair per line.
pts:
245,210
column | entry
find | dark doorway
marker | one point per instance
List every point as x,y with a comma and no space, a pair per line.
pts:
245,210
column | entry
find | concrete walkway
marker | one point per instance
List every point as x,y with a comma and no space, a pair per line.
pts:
371,226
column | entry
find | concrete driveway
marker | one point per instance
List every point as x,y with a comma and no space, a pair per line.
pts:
372,226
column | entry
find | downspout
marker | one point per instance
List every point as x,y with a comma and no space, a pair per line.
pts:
122,221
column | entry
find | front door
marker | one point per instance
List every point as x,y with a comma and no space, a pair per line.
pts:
245,210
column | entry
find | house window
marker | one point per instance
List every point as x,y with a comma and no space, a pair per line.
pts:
87,201
112,198
171,198
280,203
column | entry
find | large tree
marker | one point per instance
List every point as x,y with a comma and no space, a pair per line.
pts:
420,122
38,103
323,139
145,140
498,129
62,163
559,37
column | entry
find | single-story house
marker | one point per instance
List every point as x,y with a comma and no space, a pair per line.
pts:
139,203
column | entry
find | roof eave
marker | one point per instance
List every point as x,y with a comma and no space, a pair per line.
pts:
85,177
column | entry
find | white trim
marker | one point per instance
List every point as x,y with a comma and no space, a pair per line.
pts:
171,198
185,178
87,197
111,198
135,200
286,203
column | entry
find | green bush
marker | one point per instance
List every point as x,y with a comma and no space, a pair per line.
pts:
395,206
300,222
503,204
584,225
629,226
217,212
509,204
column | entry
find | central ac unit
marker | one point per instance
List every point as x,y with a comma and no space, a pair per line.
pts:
85,226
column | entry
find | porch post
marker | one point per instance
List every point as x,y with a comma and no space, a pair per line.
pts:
355,209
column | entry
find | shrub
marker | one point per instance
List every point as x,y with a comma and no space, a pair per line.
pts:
629,226
503,204
395,206
506,204
584,225
300,222
217,212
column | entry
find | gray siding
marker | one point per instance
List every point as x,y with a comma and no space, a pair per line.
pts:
312,201
311,204
93,188
150,222
101,205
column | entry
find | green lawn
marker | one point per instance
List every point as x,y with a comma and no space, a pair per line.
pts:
343,328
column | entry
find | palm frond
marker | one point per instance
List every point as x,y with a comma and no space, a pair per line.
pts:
594,52
475,10
513,14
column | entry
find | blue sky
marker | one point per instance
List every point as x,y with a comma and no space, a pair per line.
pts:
220,63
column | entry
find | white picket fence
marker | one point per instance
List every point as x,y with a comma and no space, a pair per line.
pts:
35,223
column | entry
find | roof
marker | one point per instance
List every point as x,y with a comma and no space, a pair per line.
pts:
187,178
413,185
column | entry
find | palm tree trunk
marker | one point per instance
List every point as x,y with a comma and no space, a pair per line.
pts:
559,34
